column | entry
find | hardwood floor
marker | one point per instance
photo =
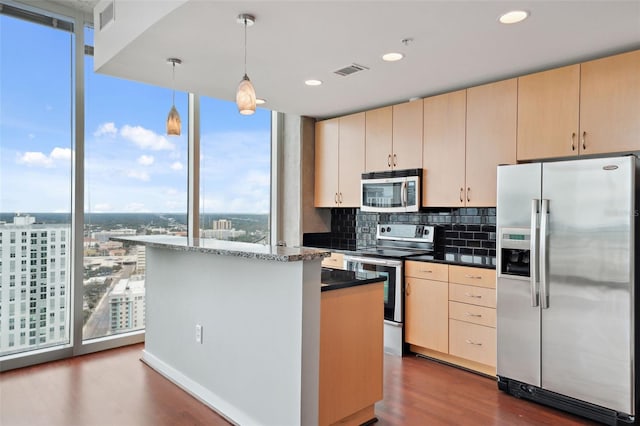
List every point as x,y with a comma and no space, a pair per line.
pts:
115,388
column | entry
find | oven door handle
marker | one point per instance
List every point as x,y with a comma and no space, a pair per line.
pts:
373,261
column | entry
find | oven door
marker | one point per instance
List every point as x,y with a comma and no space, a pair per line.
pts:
393,284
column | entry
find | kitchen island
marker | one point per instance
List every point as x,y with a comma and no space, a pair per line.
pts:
237,325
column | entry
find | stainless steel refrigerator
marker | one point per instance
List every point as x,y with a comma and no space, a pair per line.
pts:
566,289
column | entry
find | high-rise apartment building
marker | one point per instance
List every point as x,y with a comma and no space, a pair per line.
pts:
34,284
221,224
126,304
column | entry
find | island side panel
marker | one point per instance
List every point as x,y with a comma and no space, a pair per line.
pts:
254,364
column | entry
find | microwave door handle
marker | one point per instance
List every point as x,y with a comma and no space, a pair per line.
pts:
404,194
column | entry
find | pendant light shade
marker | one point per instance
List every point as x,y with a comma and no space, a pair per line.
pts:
246,94
246,97
174,125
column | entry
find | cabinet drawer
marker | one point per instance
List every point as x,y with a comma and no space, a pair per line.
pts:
473,295
335,261
473,342
472,313
426,270
472,276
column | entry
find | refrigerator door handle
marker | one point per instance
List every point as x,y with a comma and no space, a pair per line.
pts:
535,206
544,289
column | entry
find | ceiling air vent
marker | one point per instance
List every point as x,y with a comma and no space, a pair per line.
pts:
353,68
107,15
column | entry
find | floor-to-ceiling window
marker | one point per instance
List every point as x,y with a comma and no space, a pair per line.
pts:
134,178
36,157
135,184
235,172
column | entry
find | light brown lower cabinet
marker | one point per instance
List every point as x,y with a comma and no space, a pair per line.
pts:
453,320
351,354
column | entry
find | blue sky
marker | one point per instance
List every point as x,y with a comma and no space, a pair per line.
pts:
131,165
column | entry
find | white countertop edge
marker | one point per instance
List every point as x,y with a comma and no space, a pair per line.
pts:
227,248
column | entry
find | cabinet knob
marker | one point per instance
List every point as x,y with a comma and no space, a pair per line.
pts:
340,198
395,160
408,289
461,195
469,314
335,198
584,140
473,277
471,342
573,141
474,296
389,160
468,193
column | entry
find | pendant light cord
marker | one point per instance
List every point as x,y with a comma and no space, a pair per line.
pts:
245,46
173,79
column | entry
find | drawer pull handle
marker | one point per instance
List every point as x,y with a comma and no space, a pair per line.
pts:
426,271
469,314
471,342
474,277
475,296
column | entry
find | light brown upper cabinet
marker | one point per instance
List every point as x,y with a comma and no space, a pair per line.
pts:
394,137
378,137
407,135
491,138
444,150
339,161
610,104
548,113
583,109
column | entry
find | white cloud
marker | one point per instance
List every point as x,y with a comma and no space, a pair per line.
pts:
177,166
31,136
40,159
146,160
102,208
61,154
135,208
146,139
35,159
108,129
137,174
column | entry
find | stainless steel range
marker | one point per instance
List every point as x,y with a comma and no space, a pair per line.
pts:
394,242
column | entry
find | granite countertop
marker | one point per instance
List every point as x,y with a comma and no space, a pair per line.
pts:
334,279
228,248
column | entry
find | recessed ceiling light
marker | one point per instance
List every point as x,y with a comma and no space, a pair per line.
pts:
313,82
514,16
392,56
260,101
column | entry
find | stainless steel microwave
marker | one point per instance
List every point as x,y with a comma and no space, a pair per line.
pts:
391,191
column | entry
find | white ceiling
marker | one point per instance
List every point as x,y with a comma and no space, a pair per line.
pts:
456,44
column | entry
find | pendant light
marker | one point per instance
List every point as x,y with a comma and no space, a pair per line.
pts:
246,94
173,120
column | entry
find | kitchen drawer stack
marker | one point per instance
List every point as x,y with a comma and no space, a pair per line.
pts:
335,261
451,314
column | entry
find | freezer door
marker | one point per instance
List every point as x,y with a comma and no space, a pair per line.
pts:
518,322
587,340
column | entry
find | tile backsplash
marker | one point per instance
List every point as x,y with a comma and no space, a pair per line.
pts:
464,230
469,231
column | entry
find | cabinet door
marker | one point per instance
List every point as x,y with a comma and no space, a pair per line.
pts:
378,136
351,159
491,138
326,163
610,104
407,135
444,150
548,113
427,314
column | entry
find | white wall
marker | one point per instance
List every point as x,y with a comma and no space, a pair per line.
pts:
258,363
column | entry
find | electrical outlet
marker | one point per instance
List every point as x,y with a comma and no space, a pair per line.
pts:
198,333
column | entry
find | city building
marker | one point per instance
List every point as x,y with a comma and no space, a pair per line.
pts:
126,304
34,284
141,259
102,236
221,224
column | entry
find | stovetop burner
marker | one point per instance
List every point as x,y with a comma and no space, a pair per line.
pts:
402,240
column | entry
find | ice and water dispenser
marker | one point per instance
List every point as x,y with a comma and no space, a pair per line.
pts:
515,251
